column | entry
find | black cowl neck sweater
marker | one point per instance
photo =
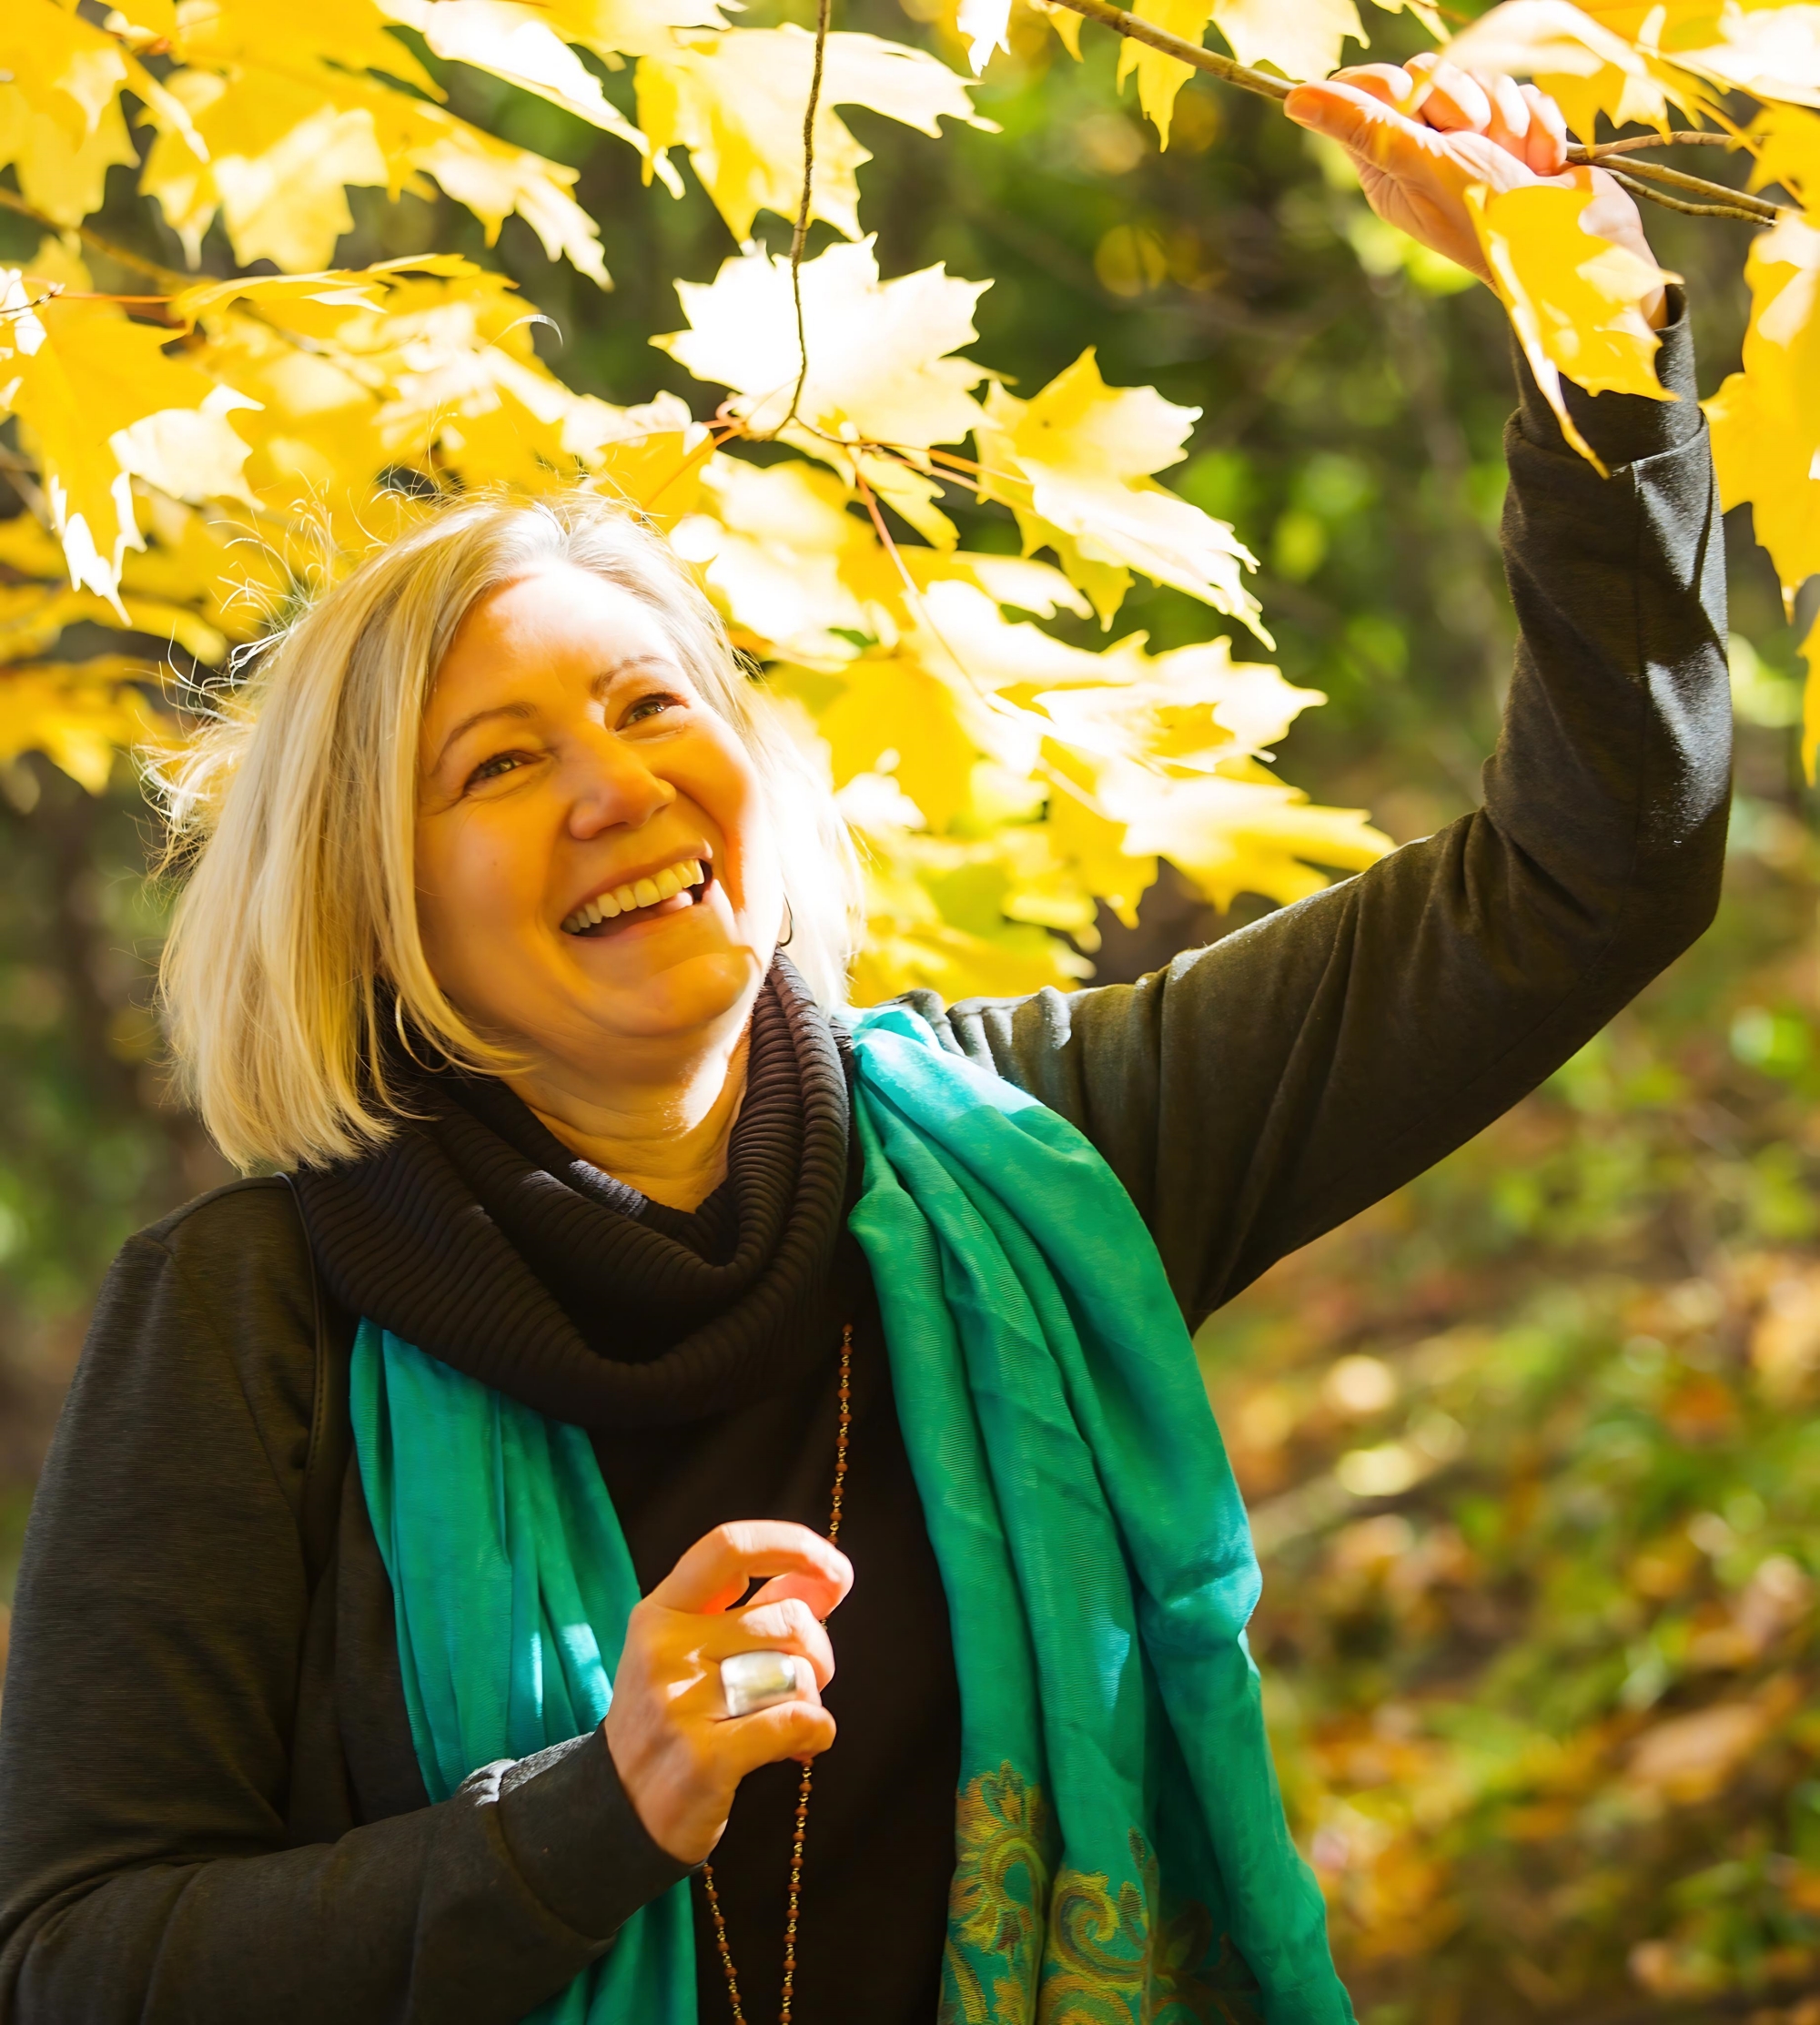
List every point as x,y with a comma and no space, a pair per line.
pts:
478,1237
700,1351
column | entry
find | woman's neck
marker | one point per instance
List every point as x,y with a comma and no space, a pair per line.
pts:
667,1137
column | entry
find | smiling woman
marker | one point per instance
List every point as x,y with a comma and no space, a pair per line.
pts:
387,1647
547,715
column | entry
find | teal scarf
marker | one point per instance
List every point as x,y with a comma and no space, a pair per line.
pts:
1121,1853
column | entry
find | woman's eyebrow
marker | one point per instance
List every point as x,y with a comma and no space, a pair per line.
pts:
608,676
598,687
479,718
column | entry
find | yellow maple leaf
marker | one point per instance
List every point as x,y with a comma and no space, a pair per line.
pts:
651,456
493,180
894,716
34,616
985,26
1073,464
1246,836
879,366
616,29
1786,144
1301,38
81,376
776,557
285,138
77,714
231,36
64,178
1093,843
1193,708
61,126
736,100
518,44
71,69
1586,66
1771,51
1766,420
1574,299
280,160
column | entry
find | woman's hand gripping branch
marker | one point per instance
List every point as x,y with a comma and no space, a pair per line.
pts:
1422,133
679,1755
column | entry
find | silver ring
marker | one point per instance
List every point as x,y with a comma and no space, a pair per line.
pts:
751,1681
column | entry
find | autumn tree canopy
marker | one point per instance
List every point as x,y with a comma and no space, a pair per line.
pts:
195,450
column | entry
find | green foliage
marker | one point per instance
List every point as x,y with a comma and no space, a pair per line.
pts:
1535,1467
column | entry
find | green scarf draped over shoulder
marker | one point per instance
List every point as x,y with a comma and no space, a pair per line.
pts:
1121,1855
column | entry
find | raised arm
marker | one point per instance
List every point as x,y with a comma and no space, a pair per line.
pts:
153,1866
1255,1094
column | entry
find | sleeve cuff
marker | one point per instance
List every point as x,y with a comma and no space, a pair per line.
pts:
1622,428
577,1839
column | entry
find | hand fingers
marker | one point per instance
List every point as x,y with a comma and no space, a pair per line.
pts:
785,1626
1389,82
807,1589
715,1571
1455,101
1545,149
1510,125
1361,123
800,1729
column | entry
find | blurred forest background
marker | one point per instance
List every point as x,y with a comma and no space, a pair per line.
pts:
1530,1447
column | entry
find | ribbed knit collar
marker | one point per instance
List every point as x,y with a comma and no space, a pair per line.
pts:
477,1236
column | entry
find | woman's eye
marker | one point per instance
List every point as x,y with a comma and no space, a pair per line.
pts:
647,708
490,769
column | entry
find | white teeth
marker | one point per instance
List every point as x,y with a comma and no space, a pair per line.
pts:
643,892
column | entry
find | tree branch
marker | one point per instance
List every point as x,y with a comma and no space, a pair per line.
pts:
1716,200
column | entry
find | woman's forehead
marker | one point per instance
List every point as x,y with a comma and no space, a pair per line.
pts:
557,623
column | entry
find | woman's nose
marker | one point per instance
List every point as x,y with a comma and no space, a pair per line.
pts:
614,787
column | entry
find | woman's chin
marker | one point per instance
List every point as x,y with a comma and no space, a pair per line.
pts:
700,990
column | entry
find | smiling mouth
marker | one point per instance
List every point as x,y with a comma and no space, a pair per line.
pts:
678,887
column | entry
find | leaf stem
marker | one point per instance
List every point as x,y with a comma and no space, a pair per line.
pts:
1638,177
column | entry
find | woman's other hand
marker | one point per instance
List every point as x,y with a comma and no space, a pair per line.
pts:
678,1754
1422,133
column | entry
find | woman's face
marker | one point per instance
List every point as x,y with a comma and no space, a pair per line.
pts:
594,864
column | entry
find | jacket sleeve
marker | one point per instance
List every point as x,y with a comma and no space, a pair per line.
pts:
150,1700
1254,1094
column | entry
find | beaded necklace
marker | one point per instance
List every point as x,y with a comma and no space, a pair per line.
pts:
801,1829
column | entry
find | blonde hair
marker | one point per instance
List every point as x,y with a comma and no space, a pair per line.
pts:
295,952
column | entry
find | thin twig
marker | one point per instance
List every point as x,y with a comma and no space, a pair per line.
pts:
1191,52
799,237
1623,177
1721,201
1739,202
167,278
1679,137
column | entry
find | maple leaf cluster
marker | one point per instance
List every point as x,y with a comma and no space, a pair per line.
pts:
194,458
